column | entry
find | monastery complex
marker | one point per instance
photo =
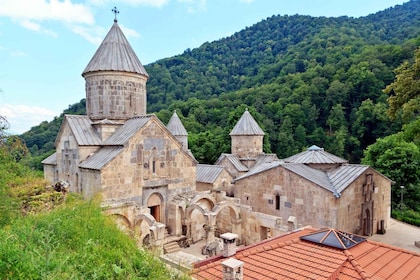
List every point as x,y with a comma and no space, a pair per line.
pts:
150,181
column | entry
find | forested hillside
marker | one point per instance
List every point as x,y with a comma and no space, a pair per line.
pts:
307,80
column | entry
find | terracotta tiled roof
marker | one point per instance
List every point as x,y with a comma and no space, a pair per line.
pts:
290,257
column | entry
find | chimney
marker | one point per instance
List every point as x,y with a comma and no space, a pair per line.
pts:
229,244
233,269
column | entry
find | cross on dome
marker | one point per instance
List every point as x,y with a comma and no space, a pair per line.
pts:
115,11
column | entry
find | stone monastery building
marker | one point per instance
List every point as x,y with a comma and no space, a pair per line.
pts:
150,181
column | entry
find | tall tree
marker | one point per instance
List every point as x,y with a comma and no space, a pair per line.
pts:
404,92
397,159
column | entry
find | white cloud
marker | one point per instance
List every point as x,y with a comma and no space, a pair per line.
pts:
93,34
22,117
31,25
247,1
131,33
39,10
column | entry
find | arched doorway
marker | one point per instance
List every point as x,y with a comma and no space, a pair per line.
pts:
155,204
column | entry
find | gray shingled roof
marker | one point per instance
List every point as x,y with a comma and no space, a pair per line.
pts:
101,158
115,54
82,129
234,159
247,126
208,173
261,158
260,168
316,176
315,155
51,160
335,181
107,121
175,126
125,132
345,175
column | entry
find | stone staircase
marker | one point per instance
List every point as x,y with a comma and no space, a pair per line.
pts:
171,247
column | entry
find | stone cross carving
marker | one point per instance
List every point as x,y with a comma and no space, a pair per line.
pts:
115,11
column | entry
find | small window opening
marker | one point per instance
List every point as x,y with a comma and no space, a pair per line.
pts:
277,202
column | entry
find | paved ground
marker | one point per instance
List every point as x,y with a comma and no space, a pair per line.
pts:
400,235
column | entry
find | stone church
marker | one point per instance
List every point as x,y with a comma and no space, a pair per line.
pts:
150,181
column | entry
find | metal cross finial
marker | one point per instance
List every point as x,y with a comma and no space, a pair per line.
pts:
115,11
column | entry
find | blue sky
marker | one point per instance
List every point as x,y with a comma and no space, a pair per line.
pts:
45,45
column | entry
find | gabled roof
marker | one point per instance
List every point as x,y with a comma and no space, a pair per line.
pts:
51,160
107,122
262,167
115,54
116,142
346,174
101,157
208,173
126,131
335,181
175,126
315,155
82,129
247,126
234,160
261,158
291,257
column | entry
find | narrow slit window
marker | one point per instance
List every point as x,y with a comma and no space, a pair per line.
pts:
277,202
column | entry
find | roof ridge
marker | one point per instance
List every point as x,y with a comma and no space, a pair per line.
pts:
353,261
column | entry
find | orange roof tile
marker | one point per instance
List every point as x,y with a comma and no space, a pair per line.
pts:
289,257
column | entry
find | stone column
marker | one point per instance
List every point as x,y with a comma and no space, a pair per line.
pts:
211,225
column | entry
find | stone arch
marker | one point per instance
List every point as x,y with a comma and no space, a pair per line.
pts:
123,223
227,218
142,229
225,204
193,207
155,203
202,196
197,218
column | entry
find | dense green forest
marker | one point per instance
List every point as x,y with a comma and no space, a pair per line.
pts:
307,81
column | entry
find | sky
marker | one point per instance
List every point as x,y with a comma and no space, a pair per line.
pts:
46,44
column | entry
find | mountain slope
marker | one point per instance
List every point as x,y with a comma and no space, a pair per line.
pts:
308,80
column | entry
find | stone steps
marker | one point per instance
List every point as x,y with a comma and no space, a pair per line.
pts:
171,247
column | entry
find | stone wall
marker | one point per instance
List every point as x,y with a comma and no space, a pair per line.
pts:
152,162
299,202
278,192
115,96
247,145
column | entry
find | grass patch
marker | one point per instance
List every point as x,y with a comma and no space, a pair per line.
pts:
74,241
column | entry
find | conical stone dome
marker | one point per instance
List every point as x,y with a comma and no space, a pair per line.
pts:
115,80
